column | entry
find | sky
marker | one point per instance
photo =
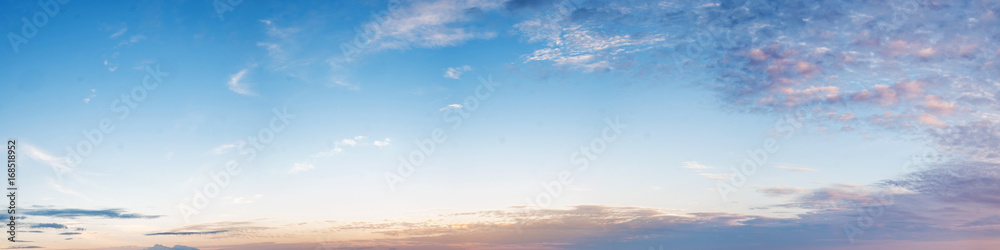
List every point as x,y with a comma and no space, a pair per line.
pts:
511,124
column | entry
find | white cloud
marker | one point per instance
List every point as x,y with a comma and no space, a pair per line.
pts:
794,167
694,165
119,33
781,191
381,143
246,200
136,38
237,85
274,50
431,24
718,177
355,141
590,47
141,64
39,155
343,84
284,50
451,106
334,151
93,93
131,40
280,33
299,167
223,148
111,67
456,72
54,185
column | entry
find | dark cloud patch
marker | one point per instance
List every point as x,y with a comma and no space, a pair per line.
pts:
517,5
987,221
100,213
69,233
605,227
779,191
224,229
49,225
175,247
966,182
187,233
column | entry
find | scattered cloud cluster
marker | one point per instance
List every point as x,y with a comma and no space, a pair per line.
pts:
337,148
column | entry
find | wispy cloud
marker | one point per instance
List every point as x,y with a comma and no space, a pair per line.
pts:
797,168
451,106
93,93
718,177
246,200
187,233
694,165
456,72
49,225
239,85
96,213
780,191
301,166
175,247
983,222
118,33
222,149
343,84
381,143
433,24
131,40
338,148
111,66
39,155
59,187
227,229
284,49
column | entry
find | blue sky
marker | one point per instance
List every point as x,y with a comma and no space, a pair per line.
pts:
261,125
